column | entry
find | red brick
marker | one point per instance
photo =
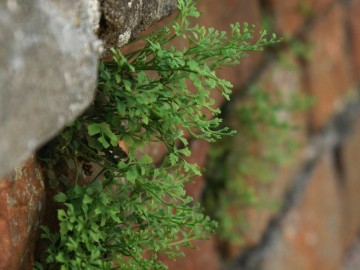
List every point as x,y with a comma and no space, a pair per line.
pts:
350,155
290,16
285,78
195,187
311,233
353,12
321,5
352,258
205,257
220,14
318,231
22,200
328,70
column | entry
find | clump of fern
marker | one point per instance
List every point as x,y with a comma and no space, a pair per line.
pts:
132,209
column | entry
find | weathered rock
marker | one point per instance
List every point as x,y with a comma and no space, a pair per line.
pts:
22,199
48,70
122,20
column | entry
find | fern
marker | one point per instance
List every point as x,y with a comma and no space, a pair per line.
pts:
135,208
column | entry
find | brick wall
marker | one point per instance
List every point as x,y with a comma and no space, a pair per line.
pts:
318,223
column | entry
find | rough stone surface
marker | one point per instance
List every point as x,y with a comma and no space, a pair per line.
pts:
22,199
48,70
122,20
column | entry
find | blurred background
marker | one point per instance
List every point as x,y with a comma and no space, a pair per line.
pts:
285,189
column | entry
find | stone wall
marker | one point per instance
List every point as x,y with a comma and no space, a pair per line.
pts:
318,224
48,78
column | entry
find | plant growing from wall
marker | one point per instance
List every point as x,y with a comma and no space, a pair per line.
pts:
264,143
131,209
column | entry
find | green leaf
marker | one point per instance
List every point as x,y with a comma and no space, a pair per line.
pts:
146,159
122,165
131,174
87,199
129,141
104,129
104,142
121,108
94,129
145,119
60,197
117,78
127,85
173,158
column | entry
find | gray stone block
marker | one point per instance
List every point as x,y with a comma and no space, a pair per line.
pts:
48,67
122,20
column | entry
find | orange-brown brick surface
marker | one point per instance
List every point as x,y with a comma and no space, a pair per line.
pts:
310,234
204,257
353,15
328,69
350,188
290,16
22,200
220,14
195,187
284,78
